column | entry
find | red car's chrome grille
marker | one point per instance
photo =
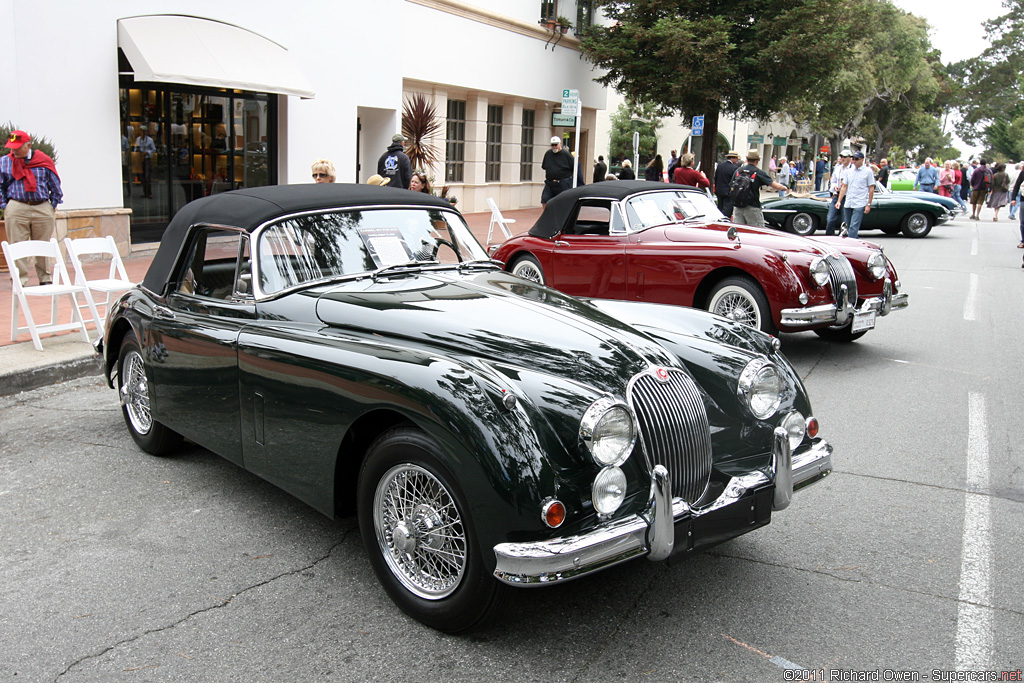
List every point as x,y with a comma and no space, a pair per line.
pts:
674,430
840,272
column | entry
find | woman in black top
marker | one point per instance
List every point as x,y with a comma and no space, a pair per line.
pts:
654,169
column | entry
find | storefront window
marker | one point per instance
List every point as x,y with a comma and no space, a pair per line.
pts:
178,145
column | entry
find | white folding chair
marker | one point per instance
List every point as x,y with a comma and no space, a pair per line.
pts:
61,286
499,220
116,280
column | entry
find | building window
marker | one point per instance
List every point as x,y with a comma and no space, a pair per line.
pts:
492,171
200,142
547,10
584,16
526,150
455,144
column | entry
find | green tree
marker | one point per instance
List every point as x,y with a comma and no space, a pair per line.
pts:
706,57
991,109
884,78
626,120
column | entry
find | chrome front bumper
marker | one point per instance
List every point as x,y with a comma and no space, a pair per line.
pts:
839,313
651,532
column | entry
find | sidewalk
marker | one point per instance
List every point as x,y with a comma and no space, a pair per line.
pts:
66,356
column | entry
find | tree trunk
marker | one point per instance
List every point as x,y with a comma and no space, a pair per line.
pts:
709,146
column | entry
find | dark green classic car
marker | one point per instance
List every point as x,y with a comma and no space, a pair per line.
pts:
891,212
355,346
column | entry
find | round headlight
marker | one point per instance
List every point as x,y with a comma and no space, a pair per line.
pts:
819,271
760,388
876,265
609,490
796,426
608,431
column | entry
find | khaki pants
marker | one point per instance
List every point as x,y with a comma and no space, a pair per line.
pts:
28,222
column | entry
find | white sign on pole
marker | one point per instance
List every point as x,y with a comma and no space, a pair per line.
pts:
570,102
636,149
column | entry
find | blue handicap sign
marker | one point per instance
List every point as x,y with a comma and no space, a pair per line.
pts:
698,126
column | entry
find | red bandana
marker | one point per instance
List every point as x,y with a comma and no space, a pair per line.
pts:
21,168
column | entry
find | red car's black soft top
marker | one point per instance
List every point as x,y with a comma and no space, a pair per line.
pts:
558,210
250,208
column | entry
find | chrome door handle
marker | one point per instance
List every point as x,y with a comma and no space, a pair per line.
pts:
163,312
560,243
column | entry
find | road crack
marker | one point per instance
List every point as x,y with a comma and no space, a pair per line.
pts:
902,589
224,603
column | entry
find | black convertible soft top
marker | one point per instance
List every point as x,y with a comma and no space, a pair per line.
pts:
557,211
248,209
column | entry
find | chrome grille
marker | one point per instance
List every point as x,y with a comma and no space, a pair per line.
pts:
674,430
840,272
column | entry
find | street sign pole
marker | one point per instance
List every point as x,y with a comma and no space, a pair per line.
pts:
571,105
576,156
636,151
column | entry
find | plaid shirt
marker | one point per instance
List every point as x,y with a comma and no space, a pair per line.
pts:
47,185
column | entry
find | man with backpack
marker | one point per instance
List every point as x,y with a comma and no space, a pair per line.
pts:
745,191
981,181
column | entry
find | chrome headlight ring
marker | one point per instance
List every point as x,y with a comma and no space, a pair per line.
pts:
609,431
877,265
819,271
760,388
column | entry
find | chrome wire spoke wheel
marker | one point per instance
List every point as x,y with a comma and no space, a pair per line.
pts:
420,532
135,392
735,305
528,269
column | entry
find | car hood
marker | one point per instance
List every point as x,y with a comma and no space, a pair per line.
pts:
749,236
495,316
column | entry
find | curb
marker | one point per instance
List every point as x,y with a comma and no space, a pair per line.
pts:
63,371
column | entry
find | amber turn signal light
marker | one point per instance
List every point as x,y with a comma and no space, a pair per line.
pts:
812,427
553,513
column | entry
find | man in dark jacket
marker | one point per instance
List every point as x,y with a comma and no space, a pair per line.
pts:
600,169
557,164
723,178
395,165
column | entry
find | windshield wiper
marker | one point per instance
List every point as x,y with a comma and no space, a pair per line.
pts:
487,264
401,268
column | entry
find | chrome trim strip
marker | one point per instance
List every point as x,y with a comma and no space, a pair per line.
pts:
539,563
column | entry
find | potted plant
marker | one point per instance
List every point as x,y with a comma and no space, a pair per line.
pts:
563,24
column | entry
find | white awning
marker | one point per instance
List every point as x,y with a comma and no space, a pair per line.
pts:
170,48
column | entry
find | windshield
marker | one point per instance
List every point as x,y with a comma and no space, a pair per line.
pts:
658,208
326,245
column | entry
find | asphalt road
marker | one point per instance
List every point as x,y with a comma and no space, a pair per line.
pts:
118,566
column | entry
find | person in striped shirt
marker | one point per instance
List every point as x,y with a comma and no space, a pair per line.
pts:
29,194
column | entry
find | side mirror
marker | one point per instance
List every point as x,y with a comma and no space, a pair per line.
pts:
733,234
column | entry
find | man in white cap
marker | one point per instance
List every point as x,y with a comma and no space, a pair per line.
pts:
557,165
857,193
835,184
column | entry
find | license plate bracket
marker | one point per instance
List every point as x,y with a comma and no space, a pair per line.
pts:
863,321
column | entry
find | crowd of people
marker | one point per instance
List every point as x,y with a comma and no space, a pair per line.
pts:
850,182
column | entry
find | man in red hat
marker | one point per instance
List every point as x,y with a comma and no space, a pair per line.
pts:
29,195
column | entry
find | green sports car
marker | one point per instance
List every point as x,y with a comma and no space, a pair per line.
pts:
890,212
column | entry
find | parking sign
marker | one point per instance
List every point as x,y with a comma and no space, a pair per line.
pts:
698,126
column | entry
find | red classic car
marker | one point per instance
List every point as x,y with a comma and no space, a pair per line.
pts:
664,243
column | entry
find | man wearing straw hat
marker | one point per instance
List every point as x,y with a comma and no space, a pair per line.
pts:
751,214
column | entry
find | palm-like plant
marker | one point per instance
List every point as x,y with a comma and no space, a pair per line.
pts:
419,125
